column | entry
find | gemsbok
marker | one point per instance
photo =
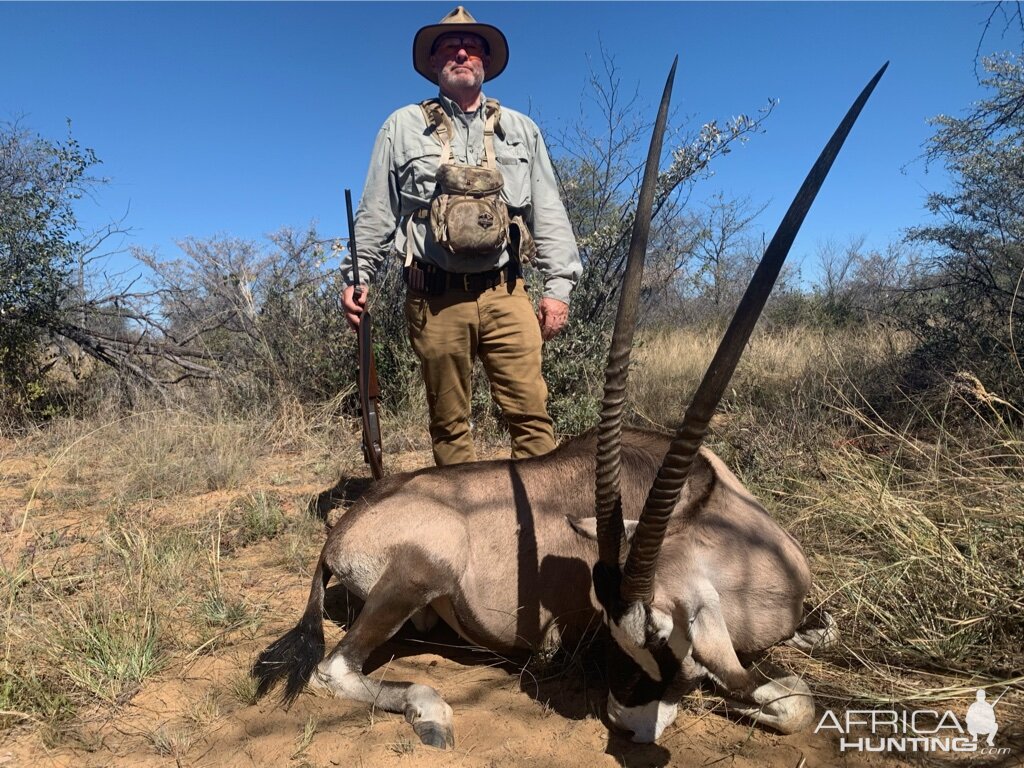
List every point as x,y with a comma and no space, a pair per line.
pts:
684,566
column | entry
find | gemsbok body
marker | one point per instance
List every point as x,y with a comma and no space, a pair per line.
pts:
650,534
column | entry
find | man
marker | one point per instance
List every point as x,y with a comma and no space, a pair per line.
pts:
463,189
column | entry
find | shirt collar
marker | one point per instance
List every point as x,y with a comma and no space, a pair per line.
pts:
453,109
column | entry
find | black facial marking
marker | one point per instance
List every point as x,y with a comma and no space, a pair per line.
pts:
628,682
630,685
607,580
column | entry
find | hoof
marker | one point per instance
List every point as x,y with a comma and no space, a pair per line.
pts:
434,734
816,633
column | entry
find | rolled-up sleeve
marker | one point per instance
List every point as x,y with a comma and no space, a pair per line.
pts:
379,209
557,255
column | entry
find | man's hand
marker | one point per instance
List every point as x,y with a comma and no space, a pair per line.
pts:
354,306
552,315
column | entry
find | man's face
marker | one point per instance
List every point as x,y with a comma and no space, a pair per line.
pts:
459,61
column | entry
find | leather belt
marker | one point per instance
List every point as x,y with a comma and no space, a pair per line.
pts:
434,281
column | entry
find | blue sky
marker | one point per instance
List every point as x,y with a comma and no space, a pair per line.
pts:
239,118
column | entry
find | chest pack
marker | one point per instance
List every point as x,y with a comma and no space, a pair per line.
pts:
468,216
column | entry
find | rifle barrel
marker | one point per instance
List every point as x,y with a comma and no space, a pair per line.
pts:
352,239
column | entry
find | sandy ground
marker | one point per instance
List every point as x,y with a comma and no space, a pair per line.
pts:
503,716
507,713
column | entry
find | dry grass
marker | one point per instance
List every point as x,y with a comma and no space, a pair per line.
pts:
791,369
241,688
115,553
306,738
917,550
172,742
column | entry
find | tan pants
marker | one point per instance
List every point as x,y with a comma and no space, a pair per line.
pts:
499,325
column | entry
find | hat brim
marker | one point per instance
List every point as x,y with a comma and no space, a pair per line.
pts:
425,38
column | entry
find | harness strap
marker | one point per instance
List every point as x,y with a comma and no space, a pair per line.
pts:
434,114
492,113
419,213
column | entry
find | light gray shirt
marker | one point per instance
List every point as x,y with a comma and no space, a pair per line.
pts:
401,179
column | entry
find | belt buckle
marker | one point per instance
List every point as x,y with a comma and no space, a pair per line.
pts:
465,282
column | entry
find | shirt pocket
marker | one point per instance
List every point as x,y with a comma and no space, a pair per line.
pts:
514,164
417,175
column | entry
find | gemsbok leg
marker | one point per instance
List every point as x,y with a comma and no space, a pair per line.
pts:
388,606
767,695
781,700
297,657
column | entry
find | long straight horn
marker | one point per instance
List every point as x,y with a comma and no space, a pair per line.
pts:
638,577
609,431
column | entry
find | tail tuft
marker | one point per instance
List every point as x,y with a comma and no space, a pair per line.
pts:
294,656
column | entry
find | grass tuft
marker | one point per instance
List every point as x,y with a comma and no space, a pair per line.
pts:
109,650
172,742
261,518
308,732
241,687
402,747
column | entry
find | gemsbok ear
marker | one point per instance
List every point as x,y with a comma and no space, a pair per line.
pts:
587,527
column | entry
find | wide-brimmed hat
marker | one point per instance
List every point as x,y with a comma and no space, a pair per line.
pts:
459,20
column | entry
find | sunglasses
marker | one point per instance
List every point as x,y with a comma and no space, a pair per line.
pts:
474,46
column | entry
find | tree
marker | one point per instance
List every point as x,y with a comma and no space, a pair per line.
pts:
968,310
599,171
50,295
264,317
40,180
855,285
599,163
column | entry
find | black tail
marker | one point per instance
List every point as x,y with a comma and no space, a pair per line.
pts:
296,653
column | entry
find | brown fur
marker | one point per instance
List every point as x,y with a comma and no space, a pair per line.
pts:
469,519
489,547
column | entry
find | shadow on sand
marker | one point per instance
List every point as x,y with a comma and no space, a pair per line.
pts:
570,683
343,493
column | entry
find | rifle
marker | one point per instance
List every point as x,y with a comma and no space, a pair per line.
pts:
369,389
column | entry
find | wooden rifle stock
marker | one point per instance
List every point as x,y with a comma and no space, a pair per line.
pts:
369,389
